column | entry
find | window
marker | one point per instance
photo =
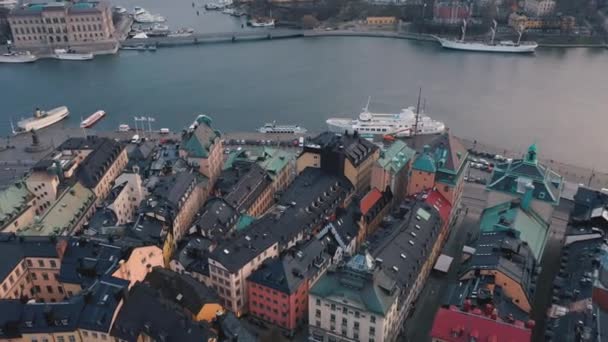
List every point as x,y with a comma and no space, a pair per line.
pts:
356,326
344,321
318,323
372,319
28,262
45,276
318,302
332,318
333,307
344,310
357,314
318,313
372,331
4,287
40,263
53,263
49,289
60,339
85,333
37,289
71,338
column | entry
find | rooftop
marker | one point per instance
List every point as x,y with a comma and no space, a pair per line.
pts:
369,200
197,142
351,146
14,249
86,261
13,201
193,254
242,184
217,218
395,157
67,211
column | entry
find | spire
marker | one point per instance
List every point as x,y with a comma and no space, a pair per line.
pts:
531,156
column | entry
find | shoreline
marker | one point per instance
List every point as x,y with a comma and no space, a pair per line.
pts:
55,135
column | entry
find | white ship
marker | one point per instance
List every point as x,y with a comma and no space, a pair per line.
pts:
274,128
402,124
18,57
41,119
92,119
506,46
71,55
140,15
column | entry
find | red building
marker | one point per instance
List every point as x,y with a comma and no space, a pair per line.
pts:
278,290
453,325
451,12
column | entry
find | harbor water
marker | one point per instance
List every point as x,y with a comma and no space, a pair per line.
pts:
555,98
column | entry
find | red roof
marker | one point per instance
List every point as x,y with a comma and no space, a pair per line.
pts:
369,200
454,325
440,203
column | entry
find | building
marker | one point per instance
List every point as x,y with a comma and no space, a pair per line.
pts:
192,258
511,180
66,216
202,146
139,263
503,261
451,12
453,325
99,162
121,205
392,168
278,291
539,8
303,209
356,302
373,207
201,302
246,187
146,316
18,207
381,21
562,23
217,219
61,24
232,329
347,155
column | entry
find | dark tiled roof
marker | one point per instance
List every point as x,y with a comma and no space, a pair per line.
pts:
146,312
242,184
217,218
352,147
286,273
172,188
147,230
193,254
305,204
231,329
198,142
86,261
14,249
181,289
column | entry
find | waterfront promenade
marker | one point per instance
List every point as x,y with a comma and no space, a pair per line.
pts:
16,159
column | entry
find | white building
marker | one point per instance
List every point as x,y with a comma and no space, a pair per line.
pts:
539,8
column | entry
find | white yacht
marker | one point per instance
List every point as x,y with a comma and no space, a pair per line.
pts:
140,15
272,127
18,57
41,119
505,46
402,124
71,55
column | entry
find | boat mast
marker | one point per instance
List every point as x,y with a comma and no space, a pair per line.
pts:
417,113
464,29
493,28
366,108
520,31
13,127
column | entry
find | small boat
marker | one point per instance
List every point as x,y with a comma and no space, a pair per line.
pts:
164,131
185,32
274,128
71,55
124,128
140,15
158,30
18,57
120,10
92,119
41,119
228,11
214,6
140,35
262,22
140,47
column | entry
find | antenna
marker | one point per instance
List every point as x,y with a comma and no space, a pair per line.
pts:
366,108
417,113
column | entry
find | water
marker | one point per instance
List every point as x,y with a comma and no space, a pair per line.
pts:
555,99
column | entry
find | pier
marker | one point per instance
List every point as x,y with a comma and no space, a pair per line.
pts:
222,37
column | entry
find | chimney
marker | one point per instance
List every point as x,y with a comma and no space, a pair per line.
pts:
60,247
525,203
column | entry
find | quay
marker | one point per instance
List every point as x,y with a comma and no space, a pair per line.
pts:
15,159
206,38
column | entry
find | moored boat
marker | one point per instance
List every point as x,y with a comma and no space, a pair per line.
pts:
41,119
71,55
92,119
124,128
274,128
18,57
269,22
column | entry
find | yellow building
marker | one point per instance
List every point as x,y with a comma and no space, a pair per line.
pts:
378,21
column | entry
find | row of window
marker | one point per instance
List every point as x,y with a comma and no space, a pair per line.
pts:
55,20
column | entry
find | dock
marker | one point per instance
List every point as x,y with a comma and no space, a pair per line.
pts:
221,37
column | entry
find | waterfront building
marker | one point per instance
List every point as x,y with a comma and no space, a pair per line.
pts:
392,168
246,187
512,179
66,216
454,325
563,23
18,207
381,21
202,146
302,210
451,12
347,155
278,291
198,300
539,8
147,316
506,264
98,160
61,24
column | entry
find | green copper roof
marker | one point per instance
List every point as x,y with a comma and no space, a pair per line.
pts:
274,160
198,142
13,200
509,215
396,156
244,222
424,162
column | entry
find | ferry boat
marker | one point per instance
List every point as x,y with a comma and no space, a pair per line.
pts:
18,57
71,55
41,119
403,124
505,46
124,128
92,119
274,128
